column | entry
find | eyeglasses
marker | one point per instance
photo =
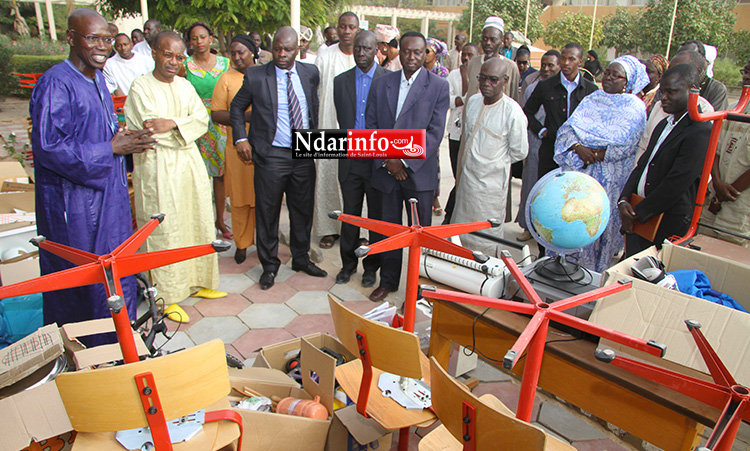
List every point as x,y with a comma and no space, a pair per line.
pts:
180,57
609,74
492,80
94,39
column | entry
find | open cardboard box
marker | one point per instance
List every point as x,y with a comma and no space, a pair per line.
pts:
277,355
84,357
35,414
654,313
20,269
29,354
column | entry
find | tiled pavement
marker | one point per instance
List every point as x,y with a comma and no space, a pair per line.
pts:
248,319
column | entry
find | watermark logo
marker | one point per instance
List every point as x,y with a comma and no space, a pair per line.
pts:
359,144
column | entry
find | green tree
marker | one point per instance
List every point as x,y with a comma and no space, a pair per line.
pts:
739,48
572,28
709,21
620,30
513,13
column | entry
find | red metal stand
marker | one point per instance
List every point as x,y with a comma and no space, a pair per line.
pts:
469,419
533,338
108,269
718,117
157,423
724,394
366,383
415,237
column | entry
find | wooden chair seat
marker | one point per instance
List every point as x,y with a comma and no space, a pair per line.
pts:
387,412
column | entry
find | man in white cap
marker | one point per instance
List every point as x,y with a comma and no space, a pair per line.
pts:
387,37
492,39
305,36
335,60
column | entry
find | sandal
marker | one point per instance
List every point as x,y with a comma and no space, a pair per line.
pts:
327,242
224,230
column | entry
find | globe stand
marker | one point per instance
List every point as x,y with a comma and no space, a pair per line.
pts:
560,269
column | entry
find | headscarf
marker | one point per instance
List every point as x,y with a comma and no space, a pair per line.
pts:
494,22
635,71
660,63
245,40
439,47
386,33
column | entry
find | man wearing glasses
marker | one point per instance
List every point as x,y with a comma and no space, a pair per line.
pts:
173,179
80,167
494,137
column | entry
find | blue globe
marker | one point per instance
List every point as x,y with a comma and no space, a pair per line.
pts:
567,210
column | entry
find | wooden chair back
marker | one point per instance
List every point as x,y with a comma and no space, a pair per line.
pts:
107,399
391,350
494,428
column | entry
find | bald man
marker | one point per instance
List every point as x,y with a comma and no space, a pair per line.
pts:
151,29
80,168
495,136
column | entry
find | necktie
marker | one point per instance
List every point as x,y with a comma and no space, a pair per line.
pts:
295,112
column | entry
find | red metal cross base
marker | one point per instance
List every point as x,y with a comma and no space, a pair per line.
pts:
724,394
534,336
108,269
415,237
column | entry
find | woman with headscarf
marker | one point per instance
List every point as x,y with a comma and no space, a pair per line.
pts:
655,66
600,139
435,52
239,173
592,65
203,69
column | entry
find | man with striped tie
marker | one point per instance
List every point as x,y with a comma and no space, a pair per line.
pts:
284,97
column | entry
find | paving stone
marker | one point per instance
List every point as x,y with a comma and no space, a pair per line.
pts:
225,328
553,433
234,283
598,445
230,305
280,292
567,424
229,349
267,316
190,301
507,392
347,293
304,282
227,265
284,254
282,275
251,342
309,324
180,340
488,373
310,302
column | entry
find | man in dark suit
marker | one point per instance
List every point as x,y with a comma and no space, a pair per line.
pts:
284,96
350,91
559,95
412,98
668,173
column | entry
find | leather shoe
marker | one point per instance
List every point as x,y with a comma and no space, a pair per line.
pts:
240,255
266,280
368,279
310,269
379,294
343,276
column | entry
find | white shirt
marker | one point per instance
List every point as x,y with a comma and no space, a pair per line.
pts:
143,48
671,124
454,112
570,86
120,73
403,90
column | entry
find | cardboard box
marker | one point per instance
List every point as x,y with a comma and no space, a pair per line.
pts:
35,414
276,355
726,276
273,431
654,313
10,202
13,171
20,269
350,431
29,354
85,357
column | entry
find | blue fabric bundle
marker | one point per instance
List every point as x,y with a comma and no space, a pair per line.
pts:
696,283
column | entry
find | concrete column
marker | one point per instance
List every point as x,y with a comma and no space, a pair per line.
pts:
295,13
450,36
425,26
39,19
51,20
394,20
144,10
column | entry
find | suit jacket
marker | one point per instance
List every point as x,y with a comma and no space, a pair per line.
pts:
345,99
259,90
674,172
551,94
425,107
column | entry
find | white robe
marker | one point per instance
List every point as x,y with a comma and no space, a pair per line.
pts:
495,137
330,63
172,179
120,73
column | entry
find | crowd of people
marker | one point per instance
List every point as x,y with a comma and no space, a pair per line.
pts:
192,115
